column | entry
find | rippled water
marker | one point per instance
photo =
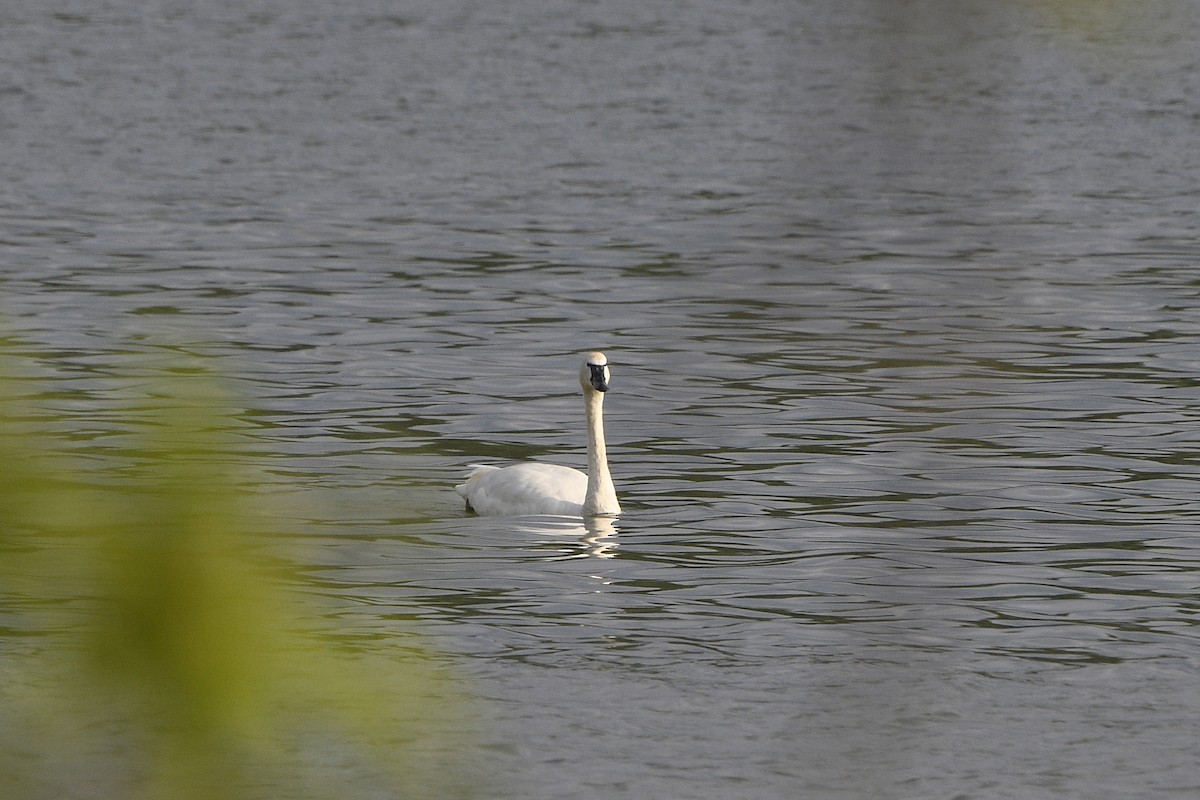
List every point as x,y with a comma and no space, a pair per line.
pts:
902,306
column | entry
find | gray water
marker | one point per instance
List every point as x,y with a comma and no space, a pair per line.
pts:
902,306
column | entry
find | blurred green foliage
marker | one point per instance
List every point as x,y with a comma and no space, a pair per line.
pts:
153,644
1119,24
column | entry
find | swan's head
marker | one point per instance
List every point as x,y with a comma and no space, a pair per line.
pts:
593,375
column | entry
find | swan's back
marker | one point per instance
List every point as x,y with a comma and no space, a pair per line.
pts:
530,488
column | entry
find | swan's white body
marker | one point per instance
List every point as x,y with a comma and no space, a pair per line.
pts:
535,488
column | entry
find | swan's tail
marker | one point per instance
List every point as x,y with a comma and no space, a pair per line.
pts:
477,470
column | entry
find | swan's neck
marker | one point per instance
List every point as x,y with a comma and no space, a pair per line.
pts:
601,497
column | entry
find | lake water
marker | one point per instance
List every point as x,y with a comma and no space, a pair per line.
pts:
903,310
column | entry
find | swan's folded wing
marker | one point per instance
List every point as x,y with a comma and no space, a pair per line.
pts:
530,488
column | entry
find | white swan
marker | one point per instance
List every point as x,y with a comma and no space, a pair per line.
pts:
534,488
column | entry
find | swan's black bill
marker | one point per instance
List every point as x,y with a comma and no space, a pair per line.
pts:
599,377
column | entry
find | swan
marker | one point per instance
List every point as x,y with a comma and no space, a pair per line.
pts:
535,488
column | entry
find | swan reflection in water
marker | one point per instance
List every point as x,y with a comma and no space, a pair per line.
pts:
597,536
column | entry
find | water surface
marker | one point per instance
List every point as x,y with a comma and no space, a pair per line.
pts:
902,310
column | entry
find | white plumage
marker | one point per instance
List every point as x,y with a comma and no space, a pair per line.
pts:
535,488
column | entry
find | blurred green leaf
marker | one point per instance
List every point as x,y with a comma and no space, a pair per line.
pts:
155,645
